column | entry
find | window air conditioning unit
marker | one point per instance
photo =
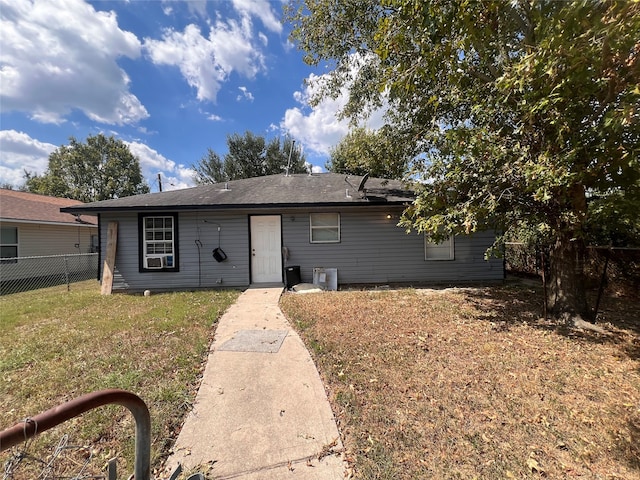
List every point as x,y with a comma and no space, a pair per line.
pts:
155,262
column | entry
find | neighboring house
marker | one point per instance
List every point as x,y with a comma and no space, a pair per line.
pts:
33,225
266,229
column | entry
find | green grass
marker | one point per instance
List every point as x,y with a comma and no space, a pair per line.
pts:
55,346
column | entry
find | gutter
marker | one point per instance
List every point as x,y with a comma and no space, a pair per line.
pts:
172,208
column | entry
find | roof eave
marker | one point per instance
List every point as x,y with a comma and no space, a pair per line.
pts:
49,222
248,206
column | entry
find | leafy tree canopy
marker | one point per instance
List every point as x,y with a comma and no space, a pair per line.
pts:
99,169
522,112
366,151
249,156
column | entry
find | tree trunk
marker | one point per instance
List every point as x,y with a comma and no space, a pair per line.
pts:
566,296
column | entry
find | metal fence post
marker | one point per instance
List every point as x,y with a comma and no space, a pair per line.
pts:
66,273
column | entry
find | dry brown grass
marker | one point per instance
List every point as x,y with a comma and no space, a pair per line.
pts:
472,384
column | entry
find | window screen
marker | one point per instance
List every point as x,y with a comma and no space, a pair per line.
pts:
9,243
324,227
439,251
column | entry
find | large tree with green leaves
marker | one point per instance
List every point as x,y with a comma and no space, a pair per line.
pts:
520,112
250,155
374,152
99,169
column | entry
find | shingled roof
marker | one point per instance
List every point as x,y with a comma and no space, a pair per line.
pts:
272,191
30,207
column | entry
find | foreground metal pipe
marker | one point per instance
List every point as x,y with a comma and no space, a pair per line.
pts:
42,422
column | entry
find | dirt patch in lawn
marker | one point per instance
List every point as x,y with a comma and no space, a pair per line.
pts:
472,383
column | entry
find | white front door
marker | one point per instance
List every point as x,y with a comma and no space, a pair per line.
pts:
266,249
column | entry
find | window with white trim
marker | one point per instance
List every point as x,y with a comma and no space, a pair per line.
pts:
8,243
444,250
158,244
324,227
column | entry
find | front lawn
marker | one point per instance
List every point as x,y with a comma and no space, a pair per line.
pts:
57,346
471,383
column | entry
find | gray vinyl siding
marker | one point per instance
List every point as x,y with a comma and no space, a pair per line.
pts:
198,268
372,249
36,239
51,241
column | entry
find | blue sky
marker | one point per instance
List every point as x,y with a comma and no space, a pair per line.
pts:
169,78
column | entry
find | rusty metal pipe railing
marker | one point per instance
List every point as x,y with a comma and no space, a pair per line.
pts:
44,421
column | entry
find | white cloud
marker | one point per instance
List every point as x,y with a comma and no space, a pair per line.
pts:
183,178
262,10
314,168
246,94
20,152
57,54
197,6
288,46
210,116
318,127
207,62
193,54
152,163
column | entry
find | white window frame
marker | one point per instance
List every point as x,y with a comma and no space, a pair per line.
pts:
325,228
161,230
429,250
11,245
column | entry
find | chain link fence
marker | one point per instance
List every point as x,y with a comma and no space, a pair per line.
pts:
619,267
66,461
522,259
21,274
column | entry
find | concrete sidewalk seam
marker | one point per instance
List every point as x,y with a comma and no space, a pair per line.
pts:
289,465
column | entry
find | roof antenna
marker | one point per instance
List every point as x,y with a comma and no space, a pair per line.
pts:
346,179
293,144
361,188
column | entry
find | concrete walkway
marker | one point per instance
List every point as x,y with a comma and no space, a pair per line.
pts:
261,411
